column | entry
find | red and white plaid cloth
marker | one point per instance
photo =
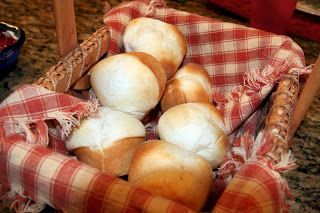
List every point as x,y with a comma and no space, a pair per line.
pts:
257,187
40,174
243,64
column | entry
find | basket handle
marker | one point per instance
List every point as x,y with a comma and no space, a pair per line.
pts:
308,93
64,16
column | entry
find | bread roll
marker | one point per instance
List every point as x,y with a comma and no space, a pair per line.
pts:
162,40
130,82
107,140
172,172
83,83
197,127
190,84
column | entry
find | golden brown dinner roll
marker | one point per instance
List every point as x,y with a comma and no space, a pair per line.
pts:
172,172
197,127
162,40
190,84
83,83
130,82
107,140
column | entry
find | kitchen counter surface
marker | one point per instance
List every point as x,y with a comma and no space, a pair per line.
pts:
40,52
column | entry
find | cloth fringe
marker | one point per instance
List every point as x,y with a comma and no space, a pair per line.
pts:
240,151
25,128
92,97
256,146
255,78
263,144
239,154
17,203
253,81
287,198
69,120
287,163
229,168
152,7
26,205
246,150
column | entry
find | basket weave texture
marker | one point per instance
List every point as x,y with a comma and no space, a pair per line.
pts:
244,65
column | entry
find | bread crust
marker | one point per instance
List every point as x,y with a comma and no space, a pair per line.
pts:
114,159
107,140
197,127
166,169
190,84
155,67
129,82
162,40
83,83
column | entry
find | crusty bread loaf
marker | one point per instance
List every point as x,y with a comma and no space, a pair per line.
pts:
190,84
172,172
130,82
162,40
107,140
197,127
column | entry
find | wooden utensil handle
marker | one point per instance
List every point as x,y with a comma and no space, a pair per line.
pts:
64,16
308,93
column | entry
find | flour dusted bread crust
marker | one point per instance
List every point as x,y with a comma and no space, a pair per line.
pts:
107,140
172,172
190,84
130,82
162,40
197,127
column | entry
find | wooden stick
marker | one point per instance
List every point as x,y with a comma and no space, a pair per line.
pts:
64,16
59,77
308,93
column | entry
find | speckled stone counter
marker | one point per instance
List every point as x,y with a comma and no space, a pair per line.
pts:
40,52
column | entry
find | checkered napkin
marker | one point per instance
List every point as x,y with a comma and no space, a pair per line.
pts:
257,187
46,176
243,63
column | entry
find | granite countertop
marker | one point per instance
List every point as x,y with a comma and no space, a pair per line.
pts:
40,52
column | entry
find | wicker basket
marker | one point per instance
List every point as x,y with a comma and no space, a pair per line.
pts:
76,63
283,116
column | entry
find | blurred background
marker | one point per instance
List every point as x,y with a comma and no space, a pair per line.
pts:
40,52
